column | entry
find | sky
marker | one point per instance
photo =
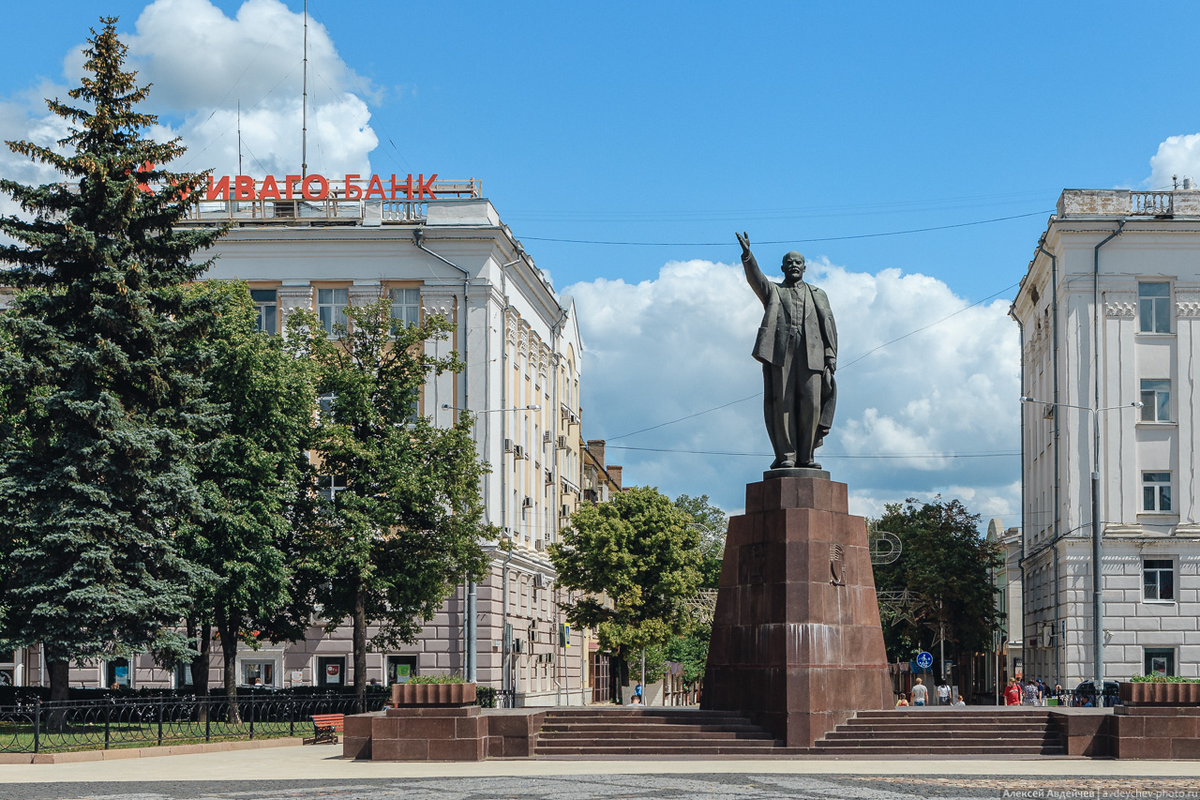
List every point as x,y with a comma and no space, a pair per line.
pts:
912,152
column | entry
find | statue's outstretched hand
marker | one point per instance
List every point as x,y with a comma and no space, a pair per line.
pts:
744,240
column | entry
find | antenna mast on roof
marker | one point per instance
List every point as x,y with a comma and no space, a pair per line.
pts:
304,103
239,137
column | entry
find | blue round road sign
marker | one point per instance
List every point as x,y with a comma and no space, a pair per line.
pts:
924,660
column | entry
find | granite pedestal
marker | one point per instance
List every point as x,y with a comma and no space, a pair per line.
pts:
796,640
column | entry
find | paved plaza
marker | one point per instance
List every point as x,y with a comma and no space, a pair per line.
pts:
318,772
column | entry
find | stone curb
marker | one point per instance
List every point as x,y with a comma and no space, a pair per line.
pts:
144,752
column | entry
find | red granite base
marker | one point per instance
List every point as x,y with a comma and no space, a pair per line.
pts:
1156,732
417,734
796,641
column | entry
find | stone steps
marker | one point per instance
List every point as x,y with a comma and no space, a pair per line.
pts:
652,732
944,732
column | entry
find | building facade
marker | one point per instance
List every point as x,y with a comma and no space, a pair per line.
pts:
1005,659
1109,314
440,249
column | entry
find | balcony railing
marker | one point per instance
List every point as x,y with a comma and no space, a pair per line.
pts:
1151,204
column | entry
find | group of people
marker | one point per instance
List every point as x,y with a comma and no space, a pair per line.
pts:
920,695
1033,692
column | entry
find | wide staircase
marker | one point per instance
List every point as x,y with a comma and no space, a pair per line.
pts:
648,731
949,731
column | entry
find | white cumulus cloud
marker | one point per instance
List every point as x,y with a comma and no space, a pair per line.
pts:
1177,157
202,66
942,383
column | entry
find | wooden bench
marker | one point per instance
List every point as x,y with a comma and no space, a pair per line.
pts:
326,728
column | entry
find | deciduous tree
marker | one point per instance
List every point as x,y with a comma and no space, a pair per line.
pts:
251,470
404,520
946,567
637,560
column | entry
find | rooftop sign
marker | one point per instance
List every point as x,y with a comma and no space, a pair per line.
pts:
317,187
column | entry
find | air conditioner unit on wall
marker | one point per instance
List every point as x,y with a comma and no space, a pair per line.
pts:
540,545
539,580
527,502
562,443
547,437
508,445
518,451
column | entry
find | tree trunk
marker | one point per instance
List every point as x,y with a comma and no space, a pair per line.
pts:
60,682
202,636
60,676
360,648
227,629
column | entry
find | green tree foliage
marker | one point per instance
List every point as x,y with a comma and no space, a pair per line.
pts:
251,471
406,528
637,560
96,442
946,566
712,523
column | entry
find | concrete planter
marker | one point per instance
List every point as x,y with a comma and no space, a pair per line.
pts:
432,694
1160,694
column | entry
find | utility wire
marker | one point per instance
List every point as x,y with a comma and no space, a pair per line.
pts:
844,367
871,456
794,241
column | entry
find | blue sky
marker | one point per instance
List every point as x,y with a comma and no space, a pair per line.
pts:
671,125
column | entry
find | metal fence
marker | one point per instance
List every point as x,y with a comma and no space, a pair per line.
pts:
54,726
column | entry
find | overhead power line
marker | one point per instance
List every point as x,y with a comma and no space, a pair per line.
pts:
793,241
843,368
865,456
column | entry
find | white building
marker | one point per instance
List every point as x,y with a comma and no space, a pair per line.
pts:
1006,659
432,247
1109,314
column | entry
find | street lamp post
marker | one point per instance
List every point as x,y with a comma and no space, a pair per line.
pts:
469,623
1097,539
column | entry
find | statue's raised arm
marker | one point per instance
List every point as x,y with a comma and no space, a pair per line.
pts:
754,276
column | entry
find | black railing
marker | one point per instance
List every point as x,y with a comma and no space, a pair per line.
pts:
51,726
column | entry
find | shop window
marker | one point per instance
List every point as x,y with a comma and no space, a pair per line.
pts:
183,676
1156,491
1158,579
8,668
1156,401
331,308
1160,662
267,303
258,673
118,674
401,669
331,671
1154,307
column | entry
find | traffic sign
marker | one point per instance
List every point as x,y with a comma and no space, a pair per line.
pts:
924,660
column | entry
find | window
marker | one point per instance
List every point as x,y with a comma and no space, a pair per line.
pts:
330,485
267,303
1158,579
331,671
1156,491
8,668
183,676
118,674
258,673
406,306
1156,401
1160,661
331,308
401,669
1154,307
325,406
